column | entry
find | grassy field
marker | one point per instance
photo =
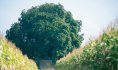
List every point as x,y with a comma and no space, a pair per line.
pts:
11,58
98,54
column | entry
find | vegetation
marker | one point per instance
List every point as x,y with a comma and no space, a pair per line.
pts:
12,59
49,32
99,54
46,32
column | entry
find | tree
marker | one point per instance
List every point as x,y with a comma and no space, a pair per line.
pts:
46,32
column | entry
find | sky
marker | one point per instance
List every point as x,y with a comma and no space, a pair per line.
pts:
95,15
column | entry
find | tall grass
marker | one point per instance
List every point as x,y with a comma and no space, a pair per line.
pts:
98,54
11,58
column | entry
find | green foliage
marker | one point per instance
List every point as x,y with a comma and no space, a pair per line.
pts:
12,59
46,32
99,54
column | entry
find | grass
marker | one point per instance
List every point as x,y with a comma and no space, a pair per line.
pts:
11,58
98,54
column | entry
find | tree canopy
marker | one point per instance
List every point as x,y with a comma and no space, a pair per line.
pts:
46,32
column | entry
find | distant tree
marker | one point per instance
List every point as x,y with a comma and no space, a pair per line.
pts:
46,32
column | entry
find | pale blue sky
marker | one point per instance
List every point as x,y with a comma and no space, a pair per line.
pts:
95,14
